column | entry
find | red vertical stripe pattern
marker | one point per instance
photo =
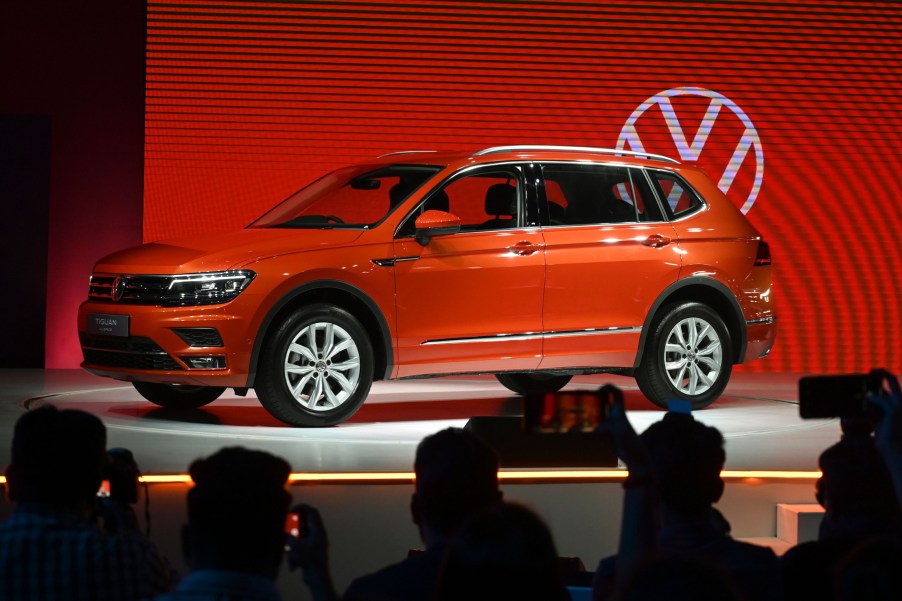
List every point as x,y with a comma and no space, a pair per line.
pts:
247,101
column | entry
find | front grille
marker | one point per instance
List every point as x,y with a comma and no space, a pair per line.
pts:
136,289
199,336
132,352
175,290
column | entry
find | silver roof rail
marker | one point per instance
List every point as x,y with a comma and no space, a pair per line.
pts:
614,151
391,154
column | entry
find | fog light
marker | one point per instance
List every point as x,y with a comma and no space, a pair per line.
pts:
217,362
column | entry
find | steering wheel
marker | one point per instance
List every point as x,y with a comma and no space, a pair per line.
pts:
333,218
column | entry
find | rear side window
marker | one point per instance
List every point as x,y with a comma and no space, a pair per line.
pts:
587,194
679,198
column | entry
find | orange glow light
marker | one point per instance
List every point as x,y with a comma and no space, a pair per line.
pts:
513,476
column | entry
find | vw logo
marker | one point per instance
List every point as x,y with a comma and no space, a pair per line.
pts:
644,126
117,289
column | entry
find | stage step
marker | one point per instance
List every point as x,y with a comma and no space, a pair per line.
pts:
796,523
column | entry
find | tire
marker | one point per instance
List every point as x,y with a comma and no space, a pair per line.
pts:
688,356
316,368
178,396
532,382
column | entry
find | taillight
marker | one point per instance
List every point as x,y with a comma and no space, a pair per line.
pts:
763,256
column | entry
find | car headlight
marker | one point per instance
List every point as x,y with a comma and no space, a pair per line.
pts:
207,288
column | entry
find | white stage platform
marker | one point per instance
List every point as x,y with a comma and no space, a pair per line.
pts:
758,416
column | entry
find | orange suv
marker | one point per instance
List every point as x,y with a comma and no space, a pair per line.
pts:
533,263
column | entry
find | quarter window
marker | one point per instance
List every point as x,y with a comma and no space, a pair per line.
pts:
679,198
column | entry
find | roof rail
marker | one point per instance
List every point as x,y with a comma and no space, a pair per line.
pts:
391,154
614,151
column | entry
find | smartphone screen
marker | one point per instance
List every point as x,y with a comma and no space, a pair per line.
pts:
572,411
294,526
836,396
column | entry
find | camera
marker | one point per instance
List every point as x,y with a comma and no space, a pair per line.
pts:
120,477
118,492
823,397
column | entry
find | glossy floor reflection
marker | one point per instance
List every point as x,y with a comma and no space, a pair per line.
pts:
758,416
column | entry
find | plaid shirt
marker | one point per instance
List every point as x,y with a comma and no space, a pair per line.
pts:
221,585
50,557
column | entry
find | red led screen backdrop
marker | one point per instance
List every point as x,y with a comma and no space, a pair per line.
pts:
794,108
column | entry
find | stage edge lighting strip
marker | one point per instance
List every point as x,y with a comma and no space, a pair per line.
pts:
512,476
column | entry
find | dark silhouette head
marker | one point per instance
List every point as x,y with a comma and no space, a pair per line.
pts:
456,476
236,512
687,457
58,457
870,572
504,553
678,579
856,489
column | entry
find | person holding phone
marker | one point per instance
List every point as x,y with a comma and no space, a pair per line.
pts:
861,483
51,547
668,509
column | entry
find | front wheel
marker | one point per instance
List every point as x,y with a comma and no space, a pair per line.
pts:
316,368
688,357
532,382
178,396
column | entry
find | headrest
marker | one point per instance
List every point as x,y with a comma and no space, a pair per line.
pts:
399,192
501,199
438,202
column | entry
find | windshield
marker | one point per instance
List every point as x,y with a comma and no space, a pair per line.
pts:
353,197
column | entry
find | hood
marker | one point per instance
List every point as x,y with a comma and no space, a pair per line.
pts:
219,252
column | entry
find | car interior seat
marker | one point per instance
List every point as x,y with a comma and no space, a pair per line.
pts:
501,202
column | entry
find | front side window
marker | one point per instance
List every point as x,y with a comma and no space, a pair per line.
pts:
486,199
589,194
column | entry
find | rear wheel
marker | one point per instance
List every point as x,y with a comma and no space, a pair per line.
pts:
533,382
688,357
316,368
178,396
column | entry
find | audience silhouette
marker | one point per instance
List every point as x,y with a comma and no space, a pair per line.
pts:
456,477
669,509
505,553
50,547
235,536
673,545
858,493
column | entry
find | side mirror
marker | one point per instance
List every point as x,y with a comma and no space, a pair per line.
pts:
435,223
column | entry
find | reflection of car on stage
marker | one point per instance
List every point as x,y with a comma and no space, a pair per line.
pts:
531,263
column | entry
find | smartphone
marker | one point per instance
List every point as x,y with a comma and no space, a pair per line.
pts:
822,397
571,411
294,525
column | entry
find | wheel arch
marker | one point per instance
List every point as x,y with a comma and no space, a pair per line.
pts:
343,295
709,292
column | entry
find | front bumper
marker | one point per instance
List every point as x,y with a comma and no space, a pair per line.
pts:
155,347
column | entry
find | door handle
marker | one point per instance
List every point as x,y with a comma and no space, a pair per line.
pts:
524,248
656,241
